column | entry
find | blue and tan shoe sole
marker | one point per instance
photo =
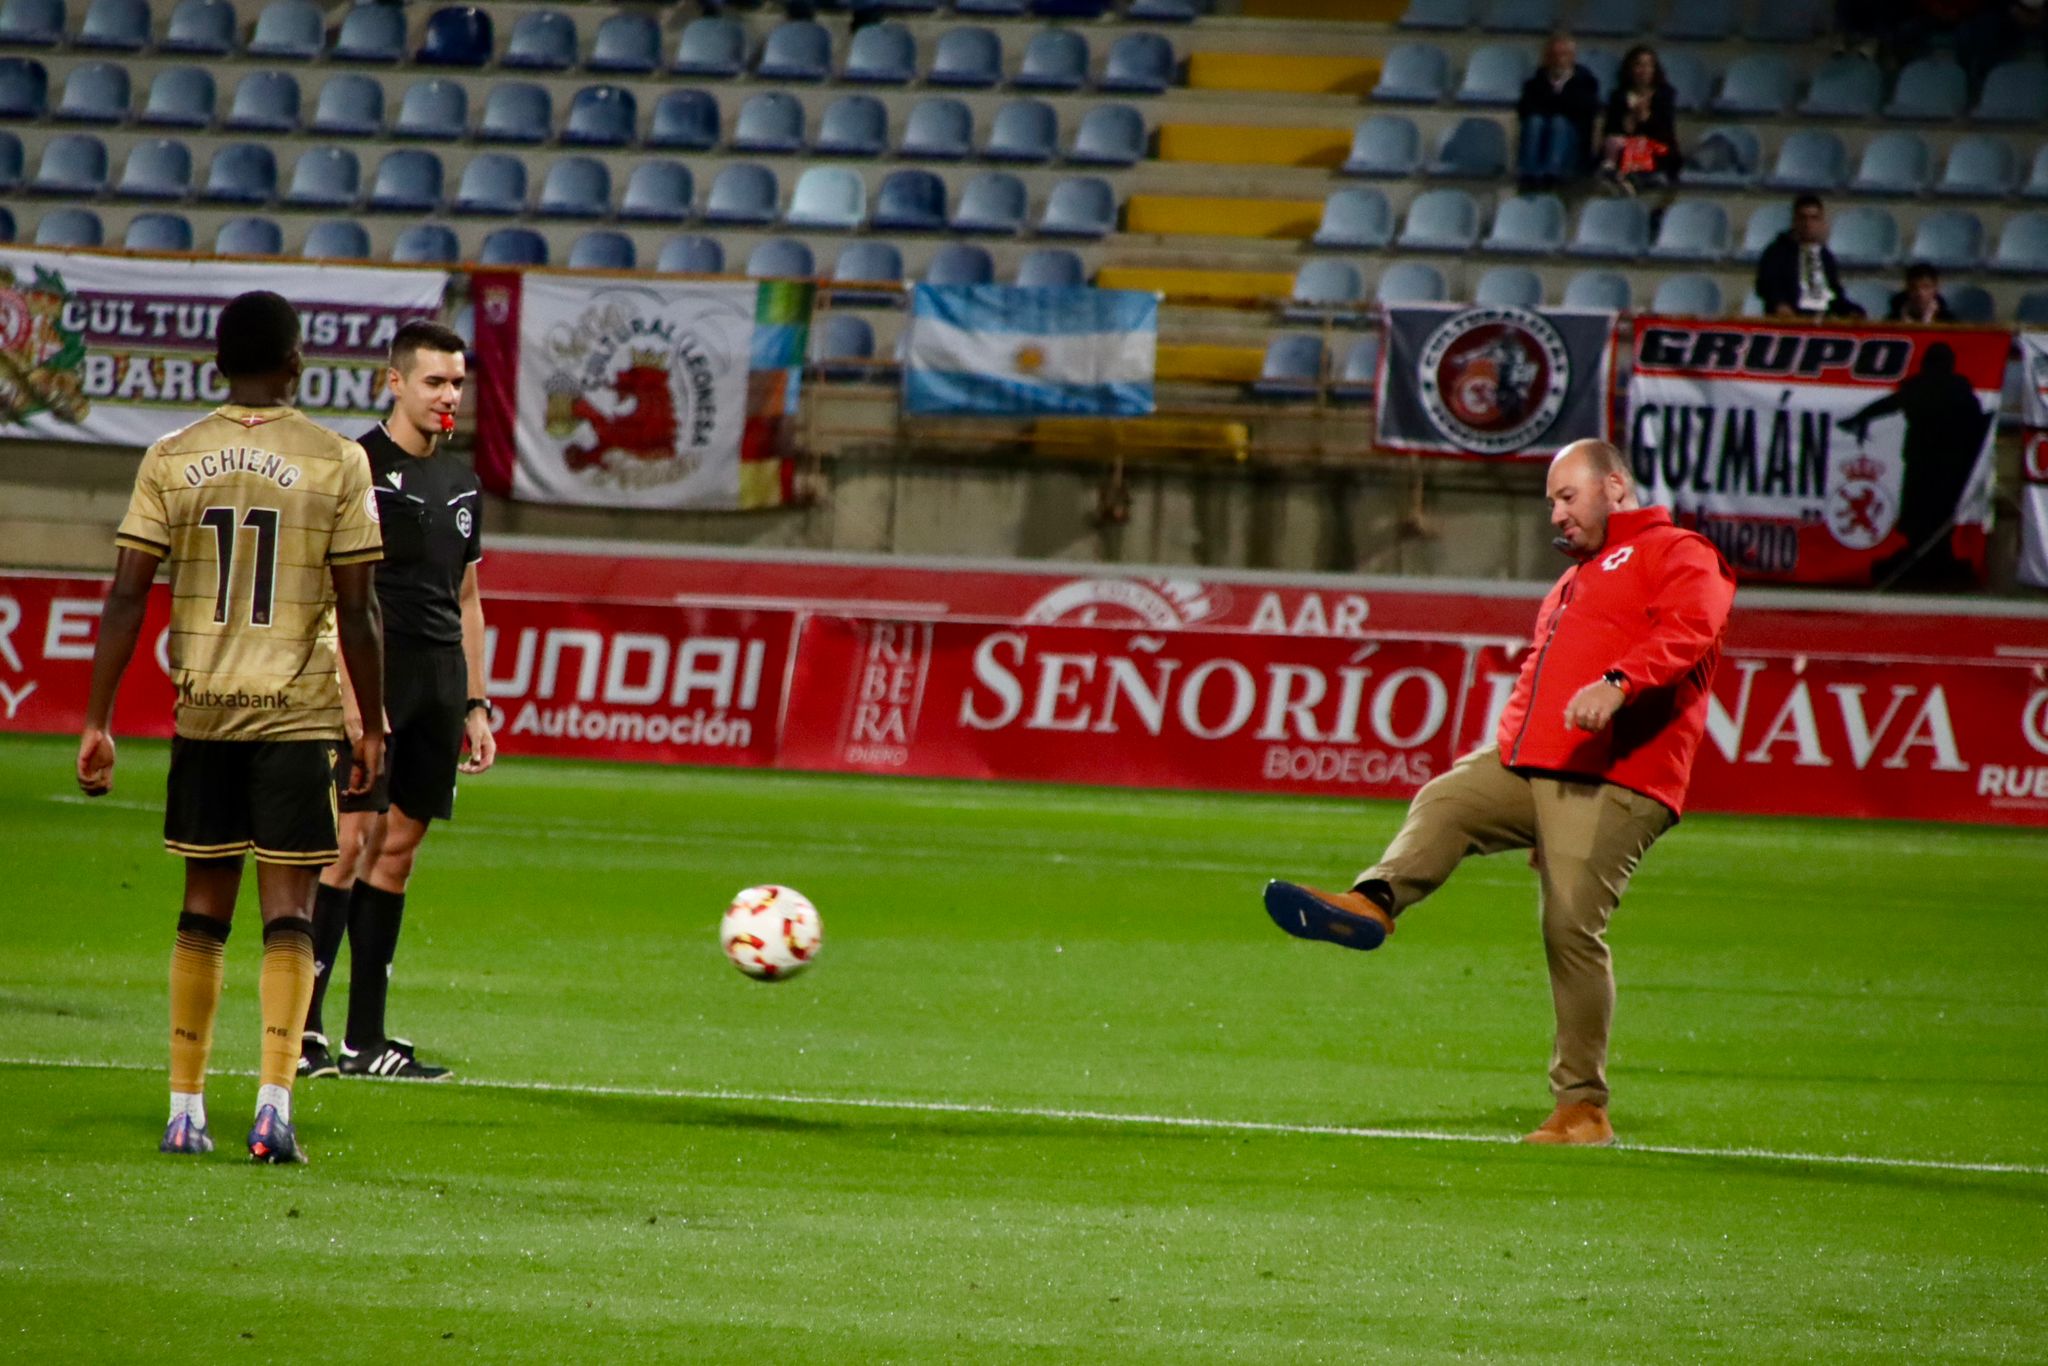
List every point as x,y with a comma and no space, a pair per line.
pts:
1305,915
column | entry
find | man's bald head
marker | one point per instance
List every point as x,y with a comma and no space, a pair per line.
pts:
1588,481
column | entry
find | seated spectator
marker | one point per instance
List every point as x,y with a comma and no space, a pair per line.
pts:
1639,147
1797,276
1920,301
1557,109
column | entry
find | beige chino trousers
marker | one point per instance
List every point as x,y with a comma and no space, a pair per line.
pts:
1588,837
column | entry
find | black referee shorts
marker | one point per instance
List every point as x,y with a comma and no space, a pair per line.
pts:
274,797
425,689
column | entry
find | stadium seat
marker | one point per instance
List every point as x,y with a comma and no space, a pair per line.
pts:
1809,159
1614,228
1079,206
114,26
1293,367
72,164
2014,92
1979,167
2033,308
881,54
853,126
2023,244
325,178
183,97
1894,163
602,249
781,258
205,27
10,161
1848,86
1410,282
575,187
994,201
1949,239
513,247
1494,75
1437,15
842,345
1766,221
771,122
1357,218
1414,73
1518,16
967,56
743,193
1441,220
1051,268
1700,21
2036,186
249,237
1786,21
1162,11
370,31
24,88
1971,303
1527,225
939,129
457,35
1692,230
493,183
1109,135
828,198
685,121
265,102
1359,372
601,116
545,40
69,228
658,192
1022,130
157,168
1757,83
426,244
910,201
349,105
407,181
1728,157
435,109
1692,84
1385,146
795,50
289,30
242,173
158,232
1598,289
999,8
1054,59
960,263
1933,88
868,272
1324,288
1864,237
335,239
516,111
1610,19
1688,296
712,46
1874,297
1471,149
94,92
629,44
1509,287
690,254
1139,64
32,23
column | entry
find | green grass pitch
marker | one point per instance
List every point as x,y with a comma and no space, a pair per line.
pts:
955,1138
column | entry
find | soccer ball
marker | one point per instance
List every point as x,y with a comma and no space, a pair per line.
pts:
771,932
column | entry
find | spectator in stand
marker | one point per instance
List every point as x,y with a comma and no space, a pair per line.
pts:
1797,276
1557,109
1920,301
2000,31
1639,148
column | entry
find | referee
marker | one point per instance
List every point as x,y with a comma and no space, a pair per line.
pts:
438,719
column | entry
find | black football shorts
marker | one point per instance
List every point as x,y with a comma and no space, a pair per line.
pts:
274,798
424,695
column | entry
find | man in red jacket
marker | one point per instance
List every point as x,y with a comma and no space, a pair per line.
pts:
1588,767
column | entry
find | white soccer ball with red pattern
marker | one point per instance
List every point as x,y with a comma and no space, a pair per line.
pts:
771,932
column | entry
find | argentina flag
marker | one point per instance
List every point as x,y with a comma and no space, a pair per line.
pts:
1003,351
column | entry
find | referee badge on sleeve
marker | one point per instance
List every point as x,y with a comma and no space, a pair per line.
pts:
463,521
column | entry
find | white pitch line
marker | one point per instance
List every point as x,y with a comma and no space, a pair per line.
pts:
1122,1118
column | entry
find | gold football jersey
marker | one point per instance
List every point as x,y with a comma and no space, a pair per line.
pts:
251,506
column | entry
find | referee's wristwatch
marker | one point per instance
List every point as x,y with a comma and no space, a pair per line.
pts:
1615,678
473,704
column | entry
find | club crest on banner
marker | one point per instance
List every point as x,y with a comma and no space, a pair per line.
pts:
39,355
1861,510
1493,380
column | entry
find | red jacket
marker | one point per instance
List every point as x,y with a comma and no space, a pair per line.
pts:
1652,603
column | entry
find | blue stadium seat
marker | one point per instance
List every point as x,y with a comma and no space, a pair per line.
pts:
796,50
1527,225
968,56
772,121
601,116
1766,221
1874,297
1054,59
426,244
575,187
994,201
960,263
242,173
543,40
157,168
1051,268
1472,148
1971,304
73,164
457,35
1138,63
841,346
711,46
1410,282
743,193
180,97
516,111
625,43
2036,186
881,54
32,23
1022,130
24,88
407,181
437,109
685,120
289,30
1414,73
2033,308
10,161
1610,19
1809,159
1759,83
1109,135
828,199
335,239
493,183
690,254
1728,157
1979,167
780,258
114,26
95,92
69,228
1437,15
249,237
1949,239
1079,206
602,249
940,128
853,126
349,105
1162,11
1322,288
2014,92
205,27
1688,296
1933,88
1894,163
513,247
1359,218
158,232
370,31
1519,16
1440,220
1864,237
1293,367
1598,289
1786,21
658,192
1846,86
910,201
1693,230
1358,373
1494,75
325,178
1700,21
867,272
265,102
998,8
1509,287
1616,228
1385,146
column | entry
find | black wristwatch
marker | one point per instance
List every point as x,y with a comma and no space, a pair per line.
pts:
473,704
1615,678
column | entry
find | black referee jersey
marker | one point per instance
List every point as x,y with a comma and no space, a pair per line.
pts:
433,531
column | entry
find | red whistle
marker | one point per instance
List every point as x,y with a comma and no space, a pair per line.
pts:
447,423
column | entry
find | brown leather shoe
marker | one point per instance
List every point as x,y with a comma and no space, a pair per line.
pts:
1579,1125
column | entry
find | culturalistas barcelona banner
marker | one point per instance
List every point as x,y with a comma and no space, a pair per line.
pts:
119,350
637,393
1493,381
1852,455
2034,465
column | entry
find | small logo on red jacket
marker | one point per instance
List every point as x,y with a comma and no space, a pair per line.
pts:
1617,559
